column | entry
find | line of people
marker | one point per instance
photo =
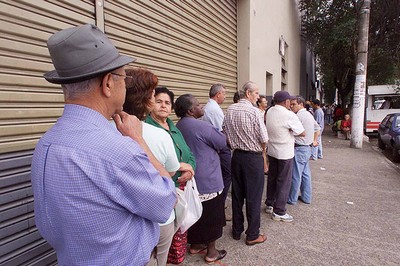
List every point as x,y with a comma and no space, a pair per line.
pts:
105,192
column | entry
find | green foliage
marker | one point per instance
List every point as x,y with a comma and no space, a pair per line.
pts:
330,28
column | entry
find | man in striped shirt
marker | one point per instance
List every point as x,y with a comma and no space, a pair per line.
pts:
247,136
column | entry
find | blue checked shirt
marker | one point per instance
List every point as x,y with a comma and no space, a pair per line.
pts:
97,197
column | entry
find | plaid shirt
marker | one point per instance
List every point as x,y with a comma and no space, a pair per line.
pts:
244,127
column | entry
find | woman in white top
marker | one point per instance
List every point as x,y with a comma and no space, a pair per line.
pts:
139,101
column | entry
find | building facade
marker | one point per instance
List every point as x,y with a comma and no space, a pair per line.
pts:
269,45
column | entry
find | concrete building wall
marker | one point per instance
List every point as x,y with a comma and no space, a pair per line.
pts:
308,77
261,24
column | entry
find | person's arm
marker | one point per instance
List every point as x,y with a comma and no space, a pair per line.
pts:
320,119
171,164
295,125
317,132
138,180
216,139
315,141
187,172
264,154
302,134
131,126
226,135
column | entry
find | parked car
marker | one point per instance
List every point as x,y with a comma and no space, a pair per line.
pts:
389,134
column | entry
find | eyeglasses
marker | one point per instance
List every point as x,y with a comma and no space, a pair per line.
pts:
122,75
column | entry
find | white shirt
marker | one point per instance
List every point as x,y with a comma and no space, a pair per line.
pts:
282,125
213,114
310,126
162,147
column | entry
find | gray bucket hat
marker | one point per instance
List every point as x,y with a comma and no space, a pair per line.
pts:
80,53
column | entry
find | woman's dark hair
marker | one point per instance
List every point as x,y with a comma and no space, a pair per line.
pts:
168,92
183,104
140,84
259,100
236,97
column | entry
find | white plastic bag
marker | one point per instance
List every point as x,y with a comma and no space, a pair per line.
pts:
181,209
195,209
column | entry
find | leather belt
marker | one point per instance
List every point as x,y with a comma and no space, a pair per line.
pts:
249,152
300,145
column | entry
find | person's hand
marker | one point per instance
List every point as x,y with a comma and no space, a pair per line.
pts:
186,167
185,176
315,143
128,125
266,168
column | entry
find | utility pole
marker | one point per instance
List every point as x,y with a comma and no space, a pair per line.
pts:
357,127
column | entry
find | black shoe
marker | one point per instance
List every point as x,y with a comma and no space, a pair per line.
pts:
236,237
301,199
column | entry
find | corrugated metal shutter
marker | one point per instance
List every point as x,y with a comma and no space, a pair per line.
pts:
190,45
29,104
28,107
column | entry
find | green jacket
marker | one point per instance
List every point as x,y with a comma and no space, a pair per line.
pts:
182,150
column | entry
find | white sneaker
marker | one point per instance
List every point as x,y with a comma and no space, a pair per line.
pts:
269,209
284,218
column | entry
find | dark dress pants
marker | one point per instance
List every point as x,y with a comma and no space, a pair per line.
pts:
279,183
225,157
247,183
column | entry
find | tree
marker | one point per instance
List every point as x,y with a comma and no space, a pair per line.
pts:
330,28
384,42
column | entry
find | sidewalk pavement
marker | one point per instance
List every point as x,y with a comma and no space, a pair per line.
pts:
354,218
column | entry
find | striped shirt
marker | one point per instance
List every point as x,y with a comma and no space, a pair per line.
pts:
244,127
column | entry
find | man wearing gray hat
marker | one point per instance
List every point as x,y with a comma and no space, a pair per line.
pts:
282,125
97,189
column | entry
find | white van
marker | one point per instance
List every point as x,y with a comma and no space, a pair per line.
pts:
381,100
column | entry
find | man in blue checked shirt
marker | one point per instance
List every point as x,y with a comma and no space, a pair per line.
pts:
99,192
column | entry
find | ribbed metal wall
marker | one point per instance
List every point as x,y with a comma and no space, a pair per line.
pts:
28,107
190,45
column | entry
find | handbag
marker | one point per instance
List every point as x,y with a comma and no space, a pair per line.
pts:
181,209
195,208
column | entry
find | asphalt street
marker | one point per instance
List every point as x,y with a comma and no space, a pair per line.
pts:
354,218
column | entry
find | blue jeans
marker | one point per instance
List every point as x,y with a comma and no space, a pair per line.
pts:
317,151
301,178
